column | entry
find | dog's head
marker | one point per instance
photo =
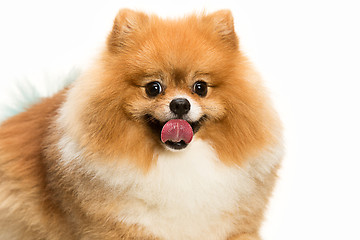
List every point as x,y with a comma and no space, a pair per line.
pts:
161,83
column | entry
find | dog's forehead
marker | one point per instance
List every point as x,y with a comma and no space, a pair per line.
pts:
178,75
176,55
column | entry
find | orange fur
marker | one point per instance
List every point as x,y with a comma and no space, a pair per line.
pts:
103,112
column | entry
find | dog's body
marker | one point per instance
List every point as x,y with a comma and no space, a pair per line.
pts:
87,163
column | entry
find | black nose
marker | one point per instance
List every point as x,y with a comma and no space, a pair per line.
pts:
180,106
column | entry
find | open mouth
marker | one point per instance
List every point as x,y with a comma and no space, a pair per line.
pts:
174,133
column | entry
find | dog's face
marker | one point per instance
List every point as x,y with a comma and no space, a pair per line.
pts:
162,82
174,92
173,71
161,99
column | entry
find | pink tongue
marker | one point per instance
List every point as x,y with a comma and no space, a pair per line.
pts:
176,130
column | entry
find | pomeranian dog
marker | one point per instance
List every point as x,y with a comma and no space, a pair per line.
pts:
170,135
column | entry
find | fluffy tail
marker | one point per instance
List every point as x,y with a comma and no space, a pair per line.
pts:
26,94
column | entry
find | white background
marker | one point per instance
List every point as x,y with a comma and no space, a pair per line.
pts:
308,53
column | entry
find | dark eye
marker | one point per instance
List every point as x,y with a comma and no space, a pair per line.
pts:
153,89
200,88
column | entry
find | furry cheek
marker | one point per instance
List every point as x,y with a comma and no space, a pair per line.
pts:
214,109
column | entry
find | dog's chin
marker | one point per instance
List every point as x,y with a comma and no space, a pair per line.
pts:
156,126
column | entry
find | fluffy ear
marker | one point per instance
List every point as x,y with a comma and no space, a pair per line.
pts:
126,22
223,23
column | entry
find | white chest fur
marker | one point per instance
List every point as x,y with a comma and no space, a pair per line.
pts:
189,194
